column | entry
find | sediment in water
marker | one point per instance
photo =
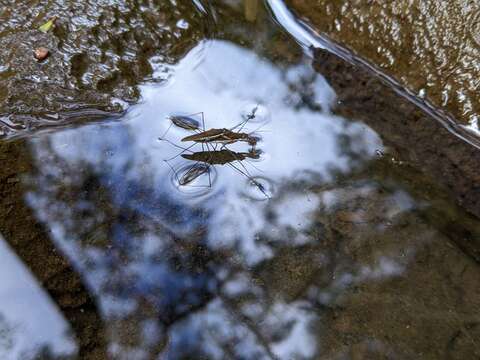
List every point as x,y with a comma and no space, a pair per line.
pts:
410,134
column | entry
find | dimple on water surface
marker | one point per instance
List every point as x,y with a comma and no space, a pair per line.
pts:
315,242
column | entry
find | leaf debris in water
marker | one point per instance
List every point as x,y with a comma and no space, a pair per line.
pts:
48,25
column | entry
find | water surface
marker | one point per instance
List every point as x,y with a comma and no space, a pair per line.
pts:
342,252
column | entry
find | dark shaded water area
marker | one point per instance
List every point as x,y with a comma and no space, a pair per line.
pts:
337,236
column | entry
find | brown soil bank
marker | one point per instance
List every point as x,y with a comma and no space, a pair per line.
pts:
432,47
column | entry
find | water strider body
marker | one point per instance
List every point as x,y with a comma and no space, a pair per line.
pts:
204,160
220,157
222,136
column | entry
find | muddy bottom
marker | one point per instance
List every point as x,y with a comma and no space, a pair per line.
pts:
304,229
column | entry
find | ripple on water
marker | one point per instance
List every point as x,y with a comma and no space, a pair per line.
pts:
193,180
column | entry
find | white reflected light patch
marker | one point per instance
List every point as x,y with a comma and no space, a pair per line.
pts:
295,211
29,320
300,343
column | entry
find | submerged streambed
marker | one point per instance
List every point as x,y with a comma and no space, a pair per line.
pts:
345,250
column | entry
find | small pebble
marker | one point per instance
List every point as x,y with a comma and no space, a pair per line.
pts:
41,53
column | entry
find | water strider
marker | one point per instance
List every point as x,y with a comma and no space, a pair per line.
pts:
221,157
217,136
222,136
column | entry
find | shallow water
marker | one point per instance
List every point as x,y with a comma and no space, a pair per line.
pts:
326,246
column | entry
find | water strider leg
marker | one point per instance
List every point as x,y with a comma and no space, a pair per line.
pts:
240,124
191,167
188,149
258,128
174,172
197,113
256,168
165,133
209,178
247,173
243,166
203,120
224,147
203,149
210,159
249,177
180,147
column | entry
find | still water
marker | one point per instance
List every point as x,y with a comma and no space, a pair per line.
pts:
316,243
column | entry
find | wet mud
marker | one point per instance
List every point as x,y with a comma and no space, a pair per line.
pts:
99,54
432,48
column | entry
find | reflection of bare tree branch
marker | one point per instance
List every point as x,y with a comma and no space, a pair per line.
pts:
249,324
172,320
32,243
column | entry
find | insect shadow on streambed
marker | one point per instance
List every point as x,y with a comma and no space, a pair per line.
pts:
214,144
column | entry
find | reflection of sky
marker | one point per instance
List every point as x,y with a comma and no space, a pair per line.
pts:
146,257
230,81
29,321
